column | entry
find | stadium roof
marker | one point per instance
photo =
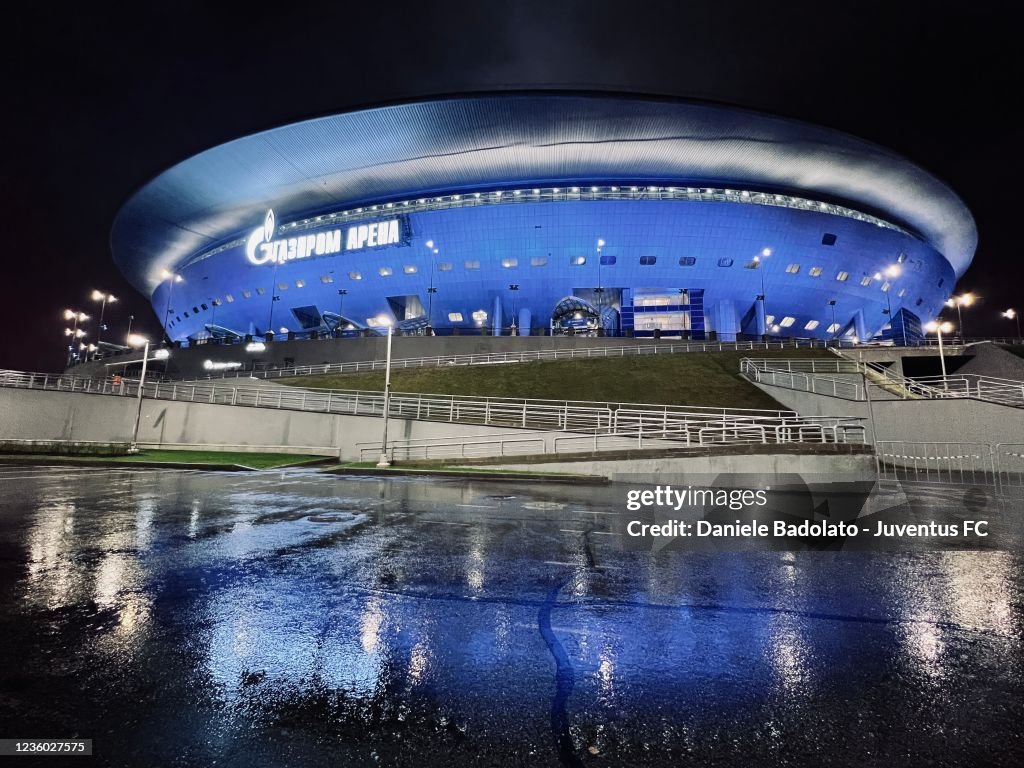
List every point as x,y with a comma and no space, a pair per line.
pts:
501,140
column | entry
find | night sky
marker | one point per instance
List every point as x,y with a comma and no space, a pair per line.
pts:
98,102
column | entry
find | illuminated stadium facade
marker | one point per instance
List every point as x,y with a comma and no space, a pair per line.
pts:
545,212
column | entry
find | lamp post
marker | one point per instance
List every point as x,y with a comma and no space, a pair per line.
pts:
173,278
963,300
600,287
892,271
73,331
431,289
1013,314
514,289
383,463
938,328
273,297
759,260
135,340
835,330
342,293
131,319
102,297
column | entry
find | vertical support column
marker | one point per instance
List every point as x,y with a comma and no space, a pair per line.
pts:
525,320
496,317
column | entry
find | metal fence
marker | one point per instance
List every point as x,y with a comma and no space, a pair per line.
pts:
524,356
710,431
688,425
812,376
938,462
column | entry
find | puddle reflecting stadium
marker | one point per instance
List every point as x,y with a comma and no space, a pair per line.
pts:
258,619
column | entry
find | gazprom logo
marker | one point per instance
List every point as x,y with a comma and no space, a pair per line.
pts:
262,248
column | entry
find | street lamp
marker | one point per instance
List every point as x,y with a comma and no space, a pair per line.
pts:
963,300
73,332
342,293
892,271
431,289
173,278
383,463
514,288
1013,314
600,287
759,261
135,340
103,297
938,329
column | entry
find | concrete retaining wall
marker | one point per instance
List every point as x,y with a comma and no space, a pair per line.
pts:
666,469
45,415
963,421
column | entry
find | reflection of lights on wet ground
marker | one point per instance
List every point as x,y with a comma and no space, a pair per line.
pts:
418,661
193,519
924,642
606,673
475,568
788,654
50,539
370,623
979,590
144,523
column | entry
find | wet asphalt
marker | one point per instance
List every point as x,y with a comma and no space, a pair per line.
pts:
297,619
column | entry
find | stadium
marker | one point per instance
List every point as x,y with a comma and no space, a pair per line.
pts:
545,214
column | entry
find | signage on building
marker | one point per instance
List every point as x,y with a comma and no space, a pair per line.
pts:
262,248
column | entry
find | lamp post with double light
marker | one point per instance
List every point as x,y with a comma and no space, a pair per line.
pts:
105,298
963,300
891,272
172,278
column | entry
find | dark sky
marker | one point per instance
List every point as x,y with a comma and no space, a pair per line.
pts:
99,101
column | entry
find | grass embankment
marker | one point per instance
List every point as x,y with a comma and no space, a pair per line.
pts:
208,458
695,378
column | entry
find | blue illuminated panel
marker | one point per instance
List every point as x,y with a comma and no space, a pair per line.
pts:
550,251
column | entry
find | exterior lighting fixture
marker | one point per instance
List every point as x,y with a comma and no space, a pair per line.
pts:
383,462
1013,314
766,252
939,328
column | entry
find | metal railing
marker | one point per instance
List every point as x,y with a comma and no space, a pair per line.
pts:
525,356
1009,463
646,419
809,376
697,432
989,388
938,462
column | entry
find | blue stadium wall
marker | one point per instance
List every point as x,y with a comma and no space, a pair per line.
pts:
700,264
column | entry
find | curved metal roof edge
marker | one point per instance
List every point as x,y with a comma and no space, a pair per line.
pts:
960,264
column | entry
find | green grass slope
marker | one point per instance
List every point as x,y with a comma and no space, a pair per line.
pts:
697,378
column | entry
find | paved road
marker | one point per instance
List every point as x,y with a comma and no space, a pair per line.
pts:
293,619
